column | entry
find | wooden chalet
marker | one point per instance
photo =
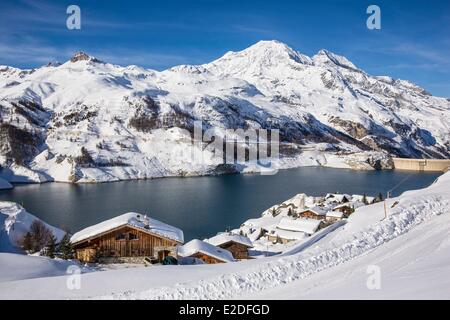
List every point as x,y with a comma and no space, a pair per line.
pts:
313,213
238,245
334,216
130,237
289,229
346,209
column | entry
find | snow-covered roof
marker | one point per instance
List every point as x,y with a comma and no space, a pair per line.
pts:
312,201
317,210
298,200
338,197
199,246
288,235
308,226
343,205
132,219
223,238
358,197
335,214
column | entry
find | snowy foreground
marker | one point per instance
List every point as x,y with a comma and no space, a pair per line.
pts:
410,250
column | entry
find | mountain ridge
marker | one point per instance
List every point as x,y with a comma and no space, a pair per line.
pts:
86,120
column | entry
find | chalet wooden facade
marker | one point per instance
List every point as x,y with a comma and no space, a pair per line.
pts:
124,241
347,209
205,251
207,258
237,244
238,250
312,214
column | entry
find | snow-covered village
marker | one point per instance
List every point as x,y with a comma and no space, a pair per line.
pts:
137,239
234,151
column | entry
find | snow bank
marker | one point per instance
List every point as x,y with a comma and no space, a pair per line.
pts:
15,222
20,174
20,267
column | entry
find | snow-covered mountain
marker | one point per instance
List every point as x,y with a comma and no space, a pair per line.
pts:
87,120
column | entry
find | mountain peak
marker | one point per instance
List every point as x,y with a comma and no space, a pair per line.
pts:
262,55
327,57
277,49
271,44
82,56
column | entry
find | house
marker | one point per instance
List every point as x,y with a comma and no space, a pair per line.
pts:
205,251
238,245
283,209
284,236
345,208
316,213
287,209
336,197
298,201
333,216
130,237
294,229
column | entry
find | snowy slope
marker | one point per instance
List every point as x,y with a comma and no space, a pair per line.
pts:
90,121
15,222
19,267
413,266
410,246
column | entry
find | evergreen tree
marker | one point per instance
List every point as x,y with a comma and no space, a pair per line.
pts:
290,214
274,212
364,199
27,242
380,197
51,247
66,248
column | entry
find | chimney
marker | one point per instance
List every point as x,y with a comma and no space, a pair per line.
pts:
146,222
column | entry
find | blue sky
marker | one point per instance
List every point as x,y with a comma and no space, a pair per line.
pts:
413,43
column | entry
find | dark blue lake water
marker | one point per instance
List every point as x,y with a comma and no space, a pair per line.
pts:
200,206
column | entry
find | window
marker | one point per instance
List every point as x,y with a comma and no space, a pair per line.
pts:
132,236
126,236
121,236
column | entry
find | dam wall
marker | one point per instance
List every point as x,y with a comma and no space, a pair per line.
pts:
435,165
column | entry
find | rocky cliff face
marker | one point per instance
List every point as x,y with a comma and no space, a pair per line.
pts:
86,120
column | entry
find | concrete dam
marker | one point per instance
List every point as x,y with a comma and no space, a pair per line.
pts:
441,165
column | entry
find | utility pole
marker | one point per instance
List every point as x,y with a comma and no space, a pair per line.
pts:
385,205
